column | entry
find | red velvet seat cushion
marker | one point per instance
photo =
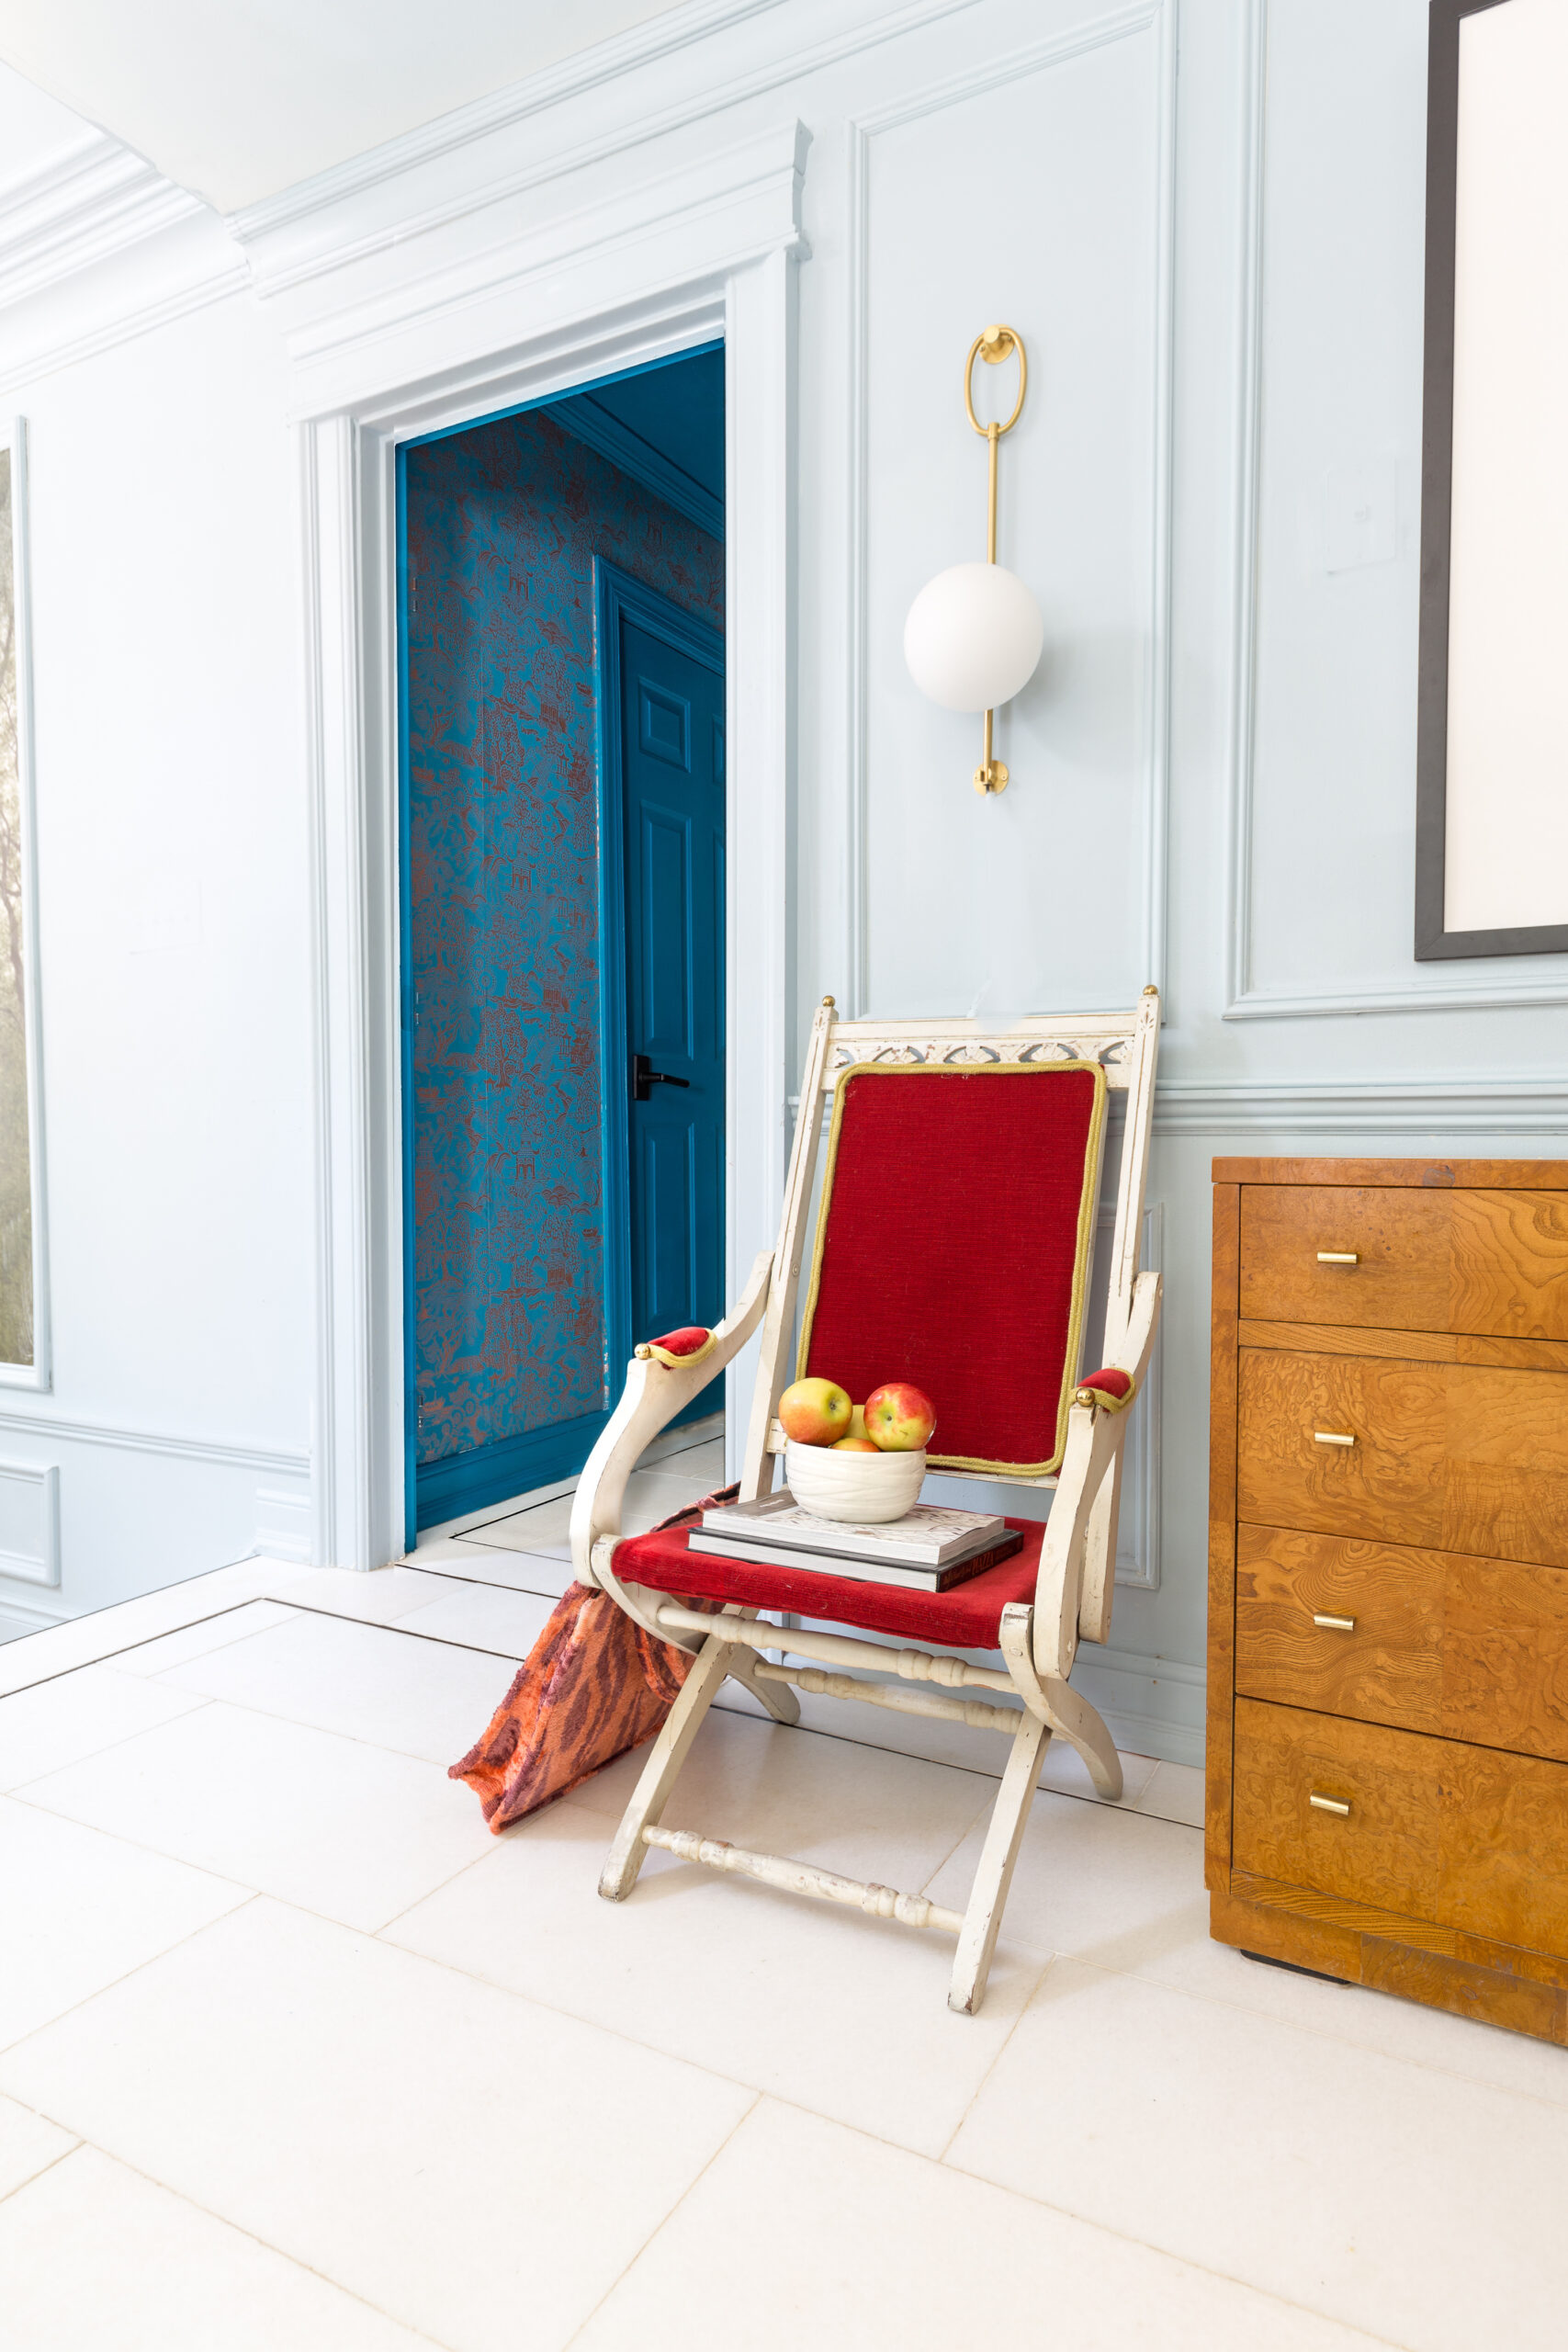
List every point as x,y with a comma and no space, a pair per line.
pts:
953,1249
965,1617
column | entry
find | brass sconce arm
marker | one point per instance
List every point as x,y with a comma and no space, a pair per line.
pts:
993,345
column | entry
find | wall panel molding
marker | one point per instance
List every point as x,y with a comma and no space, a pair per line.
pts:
29,1522
1434,1108
1486,988
1158,18
213,286
217,1453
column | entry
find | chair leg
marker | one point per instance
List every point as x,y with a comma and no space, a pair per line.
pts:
976,1943
1080,1726
669,1752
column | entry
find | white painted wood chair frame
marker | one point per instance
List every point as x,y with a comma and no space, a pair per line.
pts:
1038,1641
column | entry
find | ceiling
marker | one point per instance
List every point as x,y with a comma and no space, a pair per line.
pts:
236,99
35,129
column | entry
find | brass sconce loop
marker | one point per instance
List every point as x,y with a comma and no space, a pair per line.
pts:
993,345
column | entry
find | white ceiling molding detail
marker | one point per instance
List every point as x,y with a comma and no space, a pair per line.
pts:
326,223
588,423
79,209
535,94
731,207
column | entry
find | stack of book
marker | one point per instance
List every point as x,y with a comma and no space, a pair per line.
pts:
930,1547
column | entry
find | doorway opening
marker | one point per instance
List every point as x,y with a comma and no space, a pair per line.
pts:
563,816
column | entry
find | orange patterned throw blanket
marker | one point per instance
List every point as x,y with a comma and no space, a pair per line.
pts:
593,1686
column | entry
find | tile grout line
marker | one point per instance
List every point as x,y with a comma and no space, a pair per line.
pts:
6,2195
665,2220
224,2221
1319,2033
7,2049
91,1754
1023,2008
310,1609
1066,2212
144,1642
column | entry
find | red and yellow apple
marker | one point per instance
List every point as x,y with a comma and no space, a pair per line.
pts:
816,1412
899,1418
855,1445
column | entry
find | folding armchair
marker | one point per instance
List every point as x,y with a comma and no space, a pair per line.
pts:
953,1248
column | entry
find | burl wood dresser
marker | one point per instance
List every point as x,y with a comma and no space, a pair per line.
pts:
1388,1592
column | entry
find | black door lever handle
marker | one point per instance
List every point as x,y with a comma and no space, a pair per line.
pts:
644,1078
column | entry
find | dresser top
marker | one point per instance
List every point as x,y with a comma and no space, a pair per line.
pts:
1494,1175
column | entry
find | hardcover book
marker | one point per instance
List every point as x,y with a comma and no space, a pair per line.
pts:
931,1546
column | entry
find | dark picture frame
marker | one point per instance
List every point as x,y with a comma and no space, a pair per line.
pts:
1433,942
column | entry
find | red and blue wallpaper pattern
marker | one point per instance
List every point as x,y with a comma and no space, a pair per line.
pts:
504,523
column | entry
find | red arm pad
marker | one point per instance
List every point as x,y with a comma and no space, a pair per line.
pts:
1110,1388
679,1349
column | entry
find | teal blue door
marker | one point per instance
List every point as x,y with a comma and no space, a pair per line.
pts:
671,722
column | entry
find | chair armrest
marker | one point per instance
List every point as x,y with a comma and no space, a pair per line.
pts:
653,1395
1096,1427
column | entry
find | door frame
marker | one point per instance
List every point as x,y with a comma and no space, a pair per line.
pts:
534,1458
710,274
617,597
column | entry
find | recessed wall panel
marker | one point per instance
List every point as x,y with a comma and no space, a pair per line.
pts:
1035,200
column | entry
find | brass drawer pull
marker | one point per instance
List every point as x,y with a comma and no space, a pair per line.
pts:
1332,1437
1328,1804
1338,1258
1336,1625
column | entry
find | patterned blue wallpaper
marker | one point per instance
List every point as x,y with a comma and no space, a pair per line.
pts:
504,523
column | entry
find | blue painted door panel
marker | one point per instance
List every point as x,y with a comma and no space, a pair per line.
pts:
673,768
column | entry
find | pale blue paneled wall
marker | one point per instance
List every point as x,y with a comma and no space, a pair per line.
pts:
1250,843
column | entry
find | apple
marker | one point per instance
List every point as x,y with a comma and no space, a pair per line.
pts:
814,1412
855,1445
857,1423
899,1418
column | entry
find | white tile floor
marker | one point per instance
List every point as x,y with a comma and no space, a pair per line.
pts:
293,2053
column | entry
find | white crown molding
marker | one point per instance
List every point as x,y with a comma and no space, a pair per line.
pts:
214,1452
318,228
597,429
1436,1108
572,77
88,204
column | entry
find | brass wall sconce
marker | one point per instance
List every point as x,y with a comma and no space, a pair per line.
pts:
974,633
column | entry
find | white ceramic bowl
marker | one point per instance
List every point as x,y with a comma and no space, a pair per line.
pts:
867,1487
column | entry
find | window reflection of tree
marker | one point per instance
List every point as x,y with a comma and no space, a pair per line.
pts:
16,1200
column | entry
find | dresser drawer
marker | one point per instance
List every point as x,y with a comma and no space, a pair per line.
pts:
1455,1456
1461,1836
1425,1641
1483,1262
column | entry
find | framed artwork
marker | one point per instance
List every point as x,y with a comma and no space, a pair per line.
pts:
1492,814
24,1351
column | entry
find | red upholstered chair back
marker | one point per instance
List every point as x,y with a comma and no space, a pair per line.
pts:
953,1249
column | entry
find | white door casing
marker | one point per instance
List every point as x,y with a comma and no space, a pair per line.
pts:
656,268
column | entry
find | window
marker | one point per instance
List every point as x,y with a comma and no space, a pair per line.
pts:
22,1353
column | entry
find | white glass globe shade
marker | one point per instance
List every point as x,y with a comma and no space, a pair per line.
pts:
973,638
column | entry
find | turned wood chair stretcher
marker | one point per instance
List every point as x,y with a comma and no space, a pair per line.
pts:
1067,1596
